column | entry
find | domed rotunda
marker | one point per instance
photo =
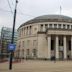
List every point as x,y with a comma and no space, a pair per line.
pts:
45,37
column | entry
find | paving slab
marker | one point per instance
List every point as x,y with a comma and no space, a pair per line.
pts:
37,66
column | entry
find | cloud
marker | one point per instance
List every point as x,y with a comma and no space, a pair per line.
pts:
34,8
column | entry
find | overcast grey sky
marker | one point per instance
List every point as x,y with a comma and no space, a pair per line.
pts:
28,9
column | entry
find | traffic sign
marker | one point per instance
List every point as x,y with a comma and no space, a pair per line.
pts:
11,47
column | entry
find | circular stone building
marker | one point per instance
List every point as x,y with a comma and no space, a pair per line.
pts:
45,37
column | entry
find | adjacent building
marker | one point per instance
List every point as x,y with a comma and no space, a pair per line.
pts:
45,37
0,43
6,34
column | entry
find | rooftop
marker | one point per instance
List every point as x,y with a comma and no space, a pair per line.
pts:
49,18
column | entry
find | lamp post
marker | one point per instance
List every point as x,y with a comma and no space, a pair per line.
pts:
12,40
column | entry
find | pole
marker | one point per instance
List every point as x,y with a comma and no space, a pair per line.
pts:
12,40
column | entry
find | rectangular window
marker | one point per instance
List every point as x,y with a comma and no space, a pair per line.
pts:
55,25
28,52
59,26
71,26
23,44
30,30
50,25
27,31
34,43
34,52
41,28
64,26
68,26
46,26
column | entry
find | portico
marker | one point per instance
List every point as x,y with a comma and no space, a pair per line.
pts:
59,46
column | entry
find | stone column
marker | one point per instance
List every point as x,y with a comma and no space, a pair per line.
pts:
57,47
71,47
65,48
49,47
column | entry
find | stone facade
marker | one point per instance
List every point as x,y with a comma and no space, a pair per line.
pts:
46,40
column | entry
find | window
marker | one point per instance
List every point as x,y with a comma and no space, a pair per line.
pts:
55,25
64,26
30,30
41,27
28,52
34,52
46,26
50,25
27,31
23,44
59,25
68,26
71,26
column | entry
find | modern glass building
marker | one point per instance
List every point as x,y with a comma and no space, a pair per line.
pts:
6,34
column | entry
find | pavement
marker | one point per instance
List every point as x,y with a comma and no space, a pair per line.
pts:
37,66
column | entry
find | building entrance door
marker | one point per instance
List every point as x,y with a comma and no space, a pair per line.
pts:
61,56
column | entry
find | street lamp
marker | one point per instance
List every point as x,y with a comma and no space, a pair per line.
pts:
12,40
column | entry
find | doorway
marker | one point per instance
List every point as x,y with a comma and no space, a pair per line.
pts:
61,55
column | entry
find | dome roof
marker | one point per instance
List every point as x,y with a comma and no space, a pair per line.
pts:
49,18
53,17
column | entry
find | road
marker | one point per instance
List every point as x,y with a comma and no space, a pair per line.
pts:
38,66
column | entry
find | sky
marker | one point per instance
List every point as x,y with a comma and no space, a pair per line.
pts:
29,9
